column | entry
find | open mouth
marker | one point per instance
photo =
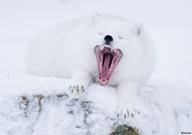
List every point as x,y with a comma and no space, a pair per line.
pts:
107,59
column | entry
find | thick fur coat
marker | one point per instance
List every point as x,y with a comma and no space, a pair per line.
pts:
66,50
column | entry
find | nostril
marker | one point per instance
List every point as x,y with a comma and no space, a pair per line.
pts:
108,39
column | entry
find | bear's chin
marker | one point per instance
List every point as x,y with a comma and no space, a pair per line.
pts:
107,60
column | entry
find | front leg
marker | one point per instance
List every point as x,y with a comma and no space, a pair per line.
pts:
129,103
79,82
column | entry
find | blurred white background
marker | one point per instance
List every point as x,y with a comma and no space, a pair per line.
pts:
169,22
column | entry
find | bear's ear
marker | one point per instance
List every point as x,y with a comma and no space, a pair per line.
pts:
94,18
138,29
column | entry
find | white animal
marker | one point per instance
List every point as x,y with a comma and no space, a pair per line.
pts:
110,50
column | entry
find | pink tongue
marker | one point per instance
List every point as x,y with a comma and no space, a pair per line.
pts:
106,66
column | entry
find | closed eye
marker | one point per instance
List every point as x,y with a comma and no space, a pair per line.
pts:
100,34
120,37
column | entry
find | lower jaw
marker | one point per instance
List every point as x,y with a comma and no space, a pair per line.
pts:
103,82
103,78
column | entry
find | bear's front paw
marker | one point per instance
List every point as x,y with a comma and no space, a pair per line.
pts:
77,91
127,110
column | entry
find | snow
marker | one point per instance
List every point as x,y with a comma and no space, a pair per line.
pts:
168,108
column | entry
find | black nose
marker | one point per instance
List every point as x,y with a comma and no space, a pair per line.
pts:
108,39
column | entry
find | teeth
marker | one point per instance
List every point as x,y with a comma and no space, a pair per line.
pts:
95,49
101,48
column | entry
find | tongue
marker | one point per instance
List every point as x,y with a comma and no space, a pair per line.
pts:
106,66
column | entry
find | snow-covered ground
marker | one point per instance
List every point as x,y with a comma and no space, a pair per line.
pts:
169,104
168,108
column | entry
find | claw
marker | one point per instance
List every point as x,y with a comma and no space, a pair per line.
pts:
127,112
83,89
132,115
77,90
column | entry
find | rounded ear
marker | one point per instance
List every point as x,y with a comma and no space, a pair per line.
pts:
138,29
94,18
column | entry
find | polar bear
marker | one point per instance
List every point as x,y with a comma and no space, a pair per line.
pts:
102,48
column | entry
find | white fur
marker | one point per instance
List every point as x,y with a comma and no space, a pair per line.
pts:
67,51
